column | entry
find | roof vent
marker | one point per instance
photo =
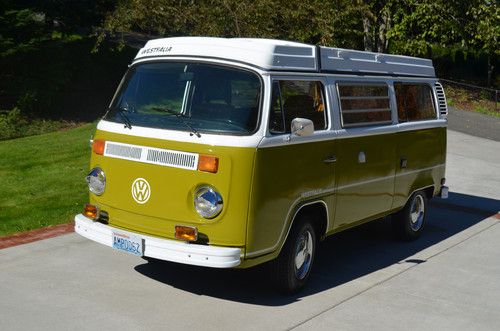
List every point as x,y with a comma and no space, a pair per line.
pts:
443,107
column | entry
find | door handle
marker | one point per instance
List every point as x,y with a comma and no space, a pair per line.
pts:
331,159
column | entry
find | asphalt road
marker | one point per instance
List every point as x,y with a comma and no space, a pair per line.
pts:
475,124
363,279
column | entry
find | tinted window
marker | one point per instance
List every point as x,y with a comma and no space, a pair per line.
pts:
414,102
189,96
363,104
292,99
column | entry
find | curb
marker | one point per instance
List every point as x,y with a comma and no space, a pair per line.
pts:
35,235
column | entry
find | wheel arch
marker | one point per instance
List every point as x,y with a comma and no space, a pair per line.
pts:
318,209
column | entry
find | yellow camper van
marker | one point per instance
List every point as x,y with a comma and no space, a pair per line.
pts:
234,152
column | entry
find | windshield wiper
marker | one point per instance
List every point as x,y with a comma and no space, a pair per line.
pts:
125,119
178,115
168,111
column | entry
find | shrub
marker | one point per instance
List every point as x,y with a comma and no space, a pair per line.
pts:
13,124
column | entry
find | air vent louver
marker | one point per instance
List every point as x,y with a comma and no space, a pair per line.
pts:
164,157
443,107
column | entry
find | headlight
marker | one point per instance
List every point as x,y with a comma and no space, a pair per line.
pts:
96,179
208,202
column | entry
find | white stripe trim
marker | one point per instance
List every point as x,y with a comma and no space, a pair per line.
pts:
181,136
355,132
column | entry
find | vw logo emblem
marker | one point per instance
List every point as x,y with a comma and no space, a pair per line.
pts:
141,191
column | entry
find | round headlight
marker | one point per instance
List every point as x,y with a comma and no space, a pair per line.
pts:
208,202
96,179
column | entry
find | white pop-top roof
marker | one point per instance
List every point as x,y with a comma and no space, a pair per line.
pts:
270,54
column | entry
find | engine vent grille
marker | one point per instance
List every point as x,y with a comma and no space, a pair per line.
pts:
151,155
443,107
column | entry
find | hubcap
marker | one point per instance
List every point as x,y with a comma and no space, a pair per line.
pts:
417,211
303,254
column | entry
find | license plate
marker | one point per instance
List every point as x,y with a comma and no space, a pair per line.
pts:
128,243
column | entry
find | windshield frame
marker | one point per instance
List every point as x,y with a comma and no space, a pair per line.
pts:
128,75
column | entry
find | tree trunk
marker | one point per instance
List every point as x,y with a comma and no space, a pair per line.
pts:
367,34
384,26
490,72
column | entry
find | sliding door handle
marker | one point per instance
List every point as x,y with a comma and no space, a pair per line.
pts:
331,159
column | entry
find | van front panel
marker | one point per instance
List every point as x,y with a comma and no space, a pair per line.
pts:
171,200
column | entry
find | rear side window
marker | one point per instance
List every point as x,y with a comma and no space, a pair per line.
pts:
364,104
294,98
414,102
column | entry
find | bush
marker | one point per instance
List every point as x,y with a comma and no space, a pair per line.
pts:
13,124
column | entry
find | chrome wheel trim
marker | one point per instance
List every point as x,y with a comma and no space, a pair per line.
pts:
417,211
303,254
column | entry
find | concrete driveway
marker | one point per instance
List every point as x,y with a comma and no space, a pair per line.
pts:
363,279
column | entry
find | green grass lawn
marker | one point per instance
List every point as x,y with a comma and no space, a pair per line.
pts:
42,179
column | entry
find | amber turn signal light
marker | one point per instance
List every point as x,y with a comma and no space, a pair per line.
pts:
98,146
91,211
208,163
187,233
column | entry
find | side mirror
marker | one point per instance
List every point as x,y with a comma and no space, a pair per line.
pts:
302,127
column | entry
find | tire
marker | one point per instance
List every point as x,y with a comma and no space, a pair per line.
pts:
409,222
291,269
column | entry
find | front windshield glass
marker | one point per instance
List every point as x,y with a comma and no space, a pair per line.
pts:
190,97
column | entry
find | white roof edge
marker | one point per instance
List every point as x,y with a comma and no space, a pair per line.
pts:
281,55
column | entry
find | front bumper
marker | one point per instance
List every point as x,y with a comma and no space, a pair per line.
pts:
164,249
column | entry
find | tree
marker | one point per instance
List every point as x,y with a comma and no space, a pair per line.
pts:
483,29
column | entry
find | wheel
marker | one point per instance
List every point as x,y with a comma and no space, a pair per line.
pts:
409,222
292,267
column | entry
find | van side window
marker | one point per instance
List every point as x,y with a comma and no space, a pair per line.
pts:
276,118
292,99
364,104
414,102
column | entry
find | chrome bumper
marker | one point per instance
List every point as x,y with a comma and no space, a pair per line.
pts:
443,193
163,249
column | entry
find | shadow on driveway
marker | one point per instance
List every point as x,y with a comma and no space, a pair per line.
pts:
341,258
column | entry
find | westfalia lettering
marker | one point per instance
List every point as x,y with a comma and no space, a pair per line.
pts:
156,50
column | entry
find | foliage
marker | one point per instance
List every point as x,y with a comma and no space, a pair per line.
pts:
411,27
47,69
13,124
21,30
307,21
63,79
472,100
43,179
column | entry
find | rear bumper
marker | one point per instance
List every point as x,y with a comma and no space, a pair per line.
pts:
164,249
443,192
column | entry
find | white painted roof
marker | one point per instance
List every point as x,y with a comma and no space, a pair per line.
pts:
350,61
270,54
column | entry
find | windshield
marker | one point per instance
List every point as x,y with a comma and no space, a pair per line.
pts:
190,97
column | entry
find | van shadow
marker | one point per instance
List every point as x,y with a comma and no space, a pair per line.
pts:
341,258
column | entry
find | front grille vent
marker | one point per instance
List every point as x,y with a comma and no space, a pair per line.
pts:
158,156
179,159
126,151
443,107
